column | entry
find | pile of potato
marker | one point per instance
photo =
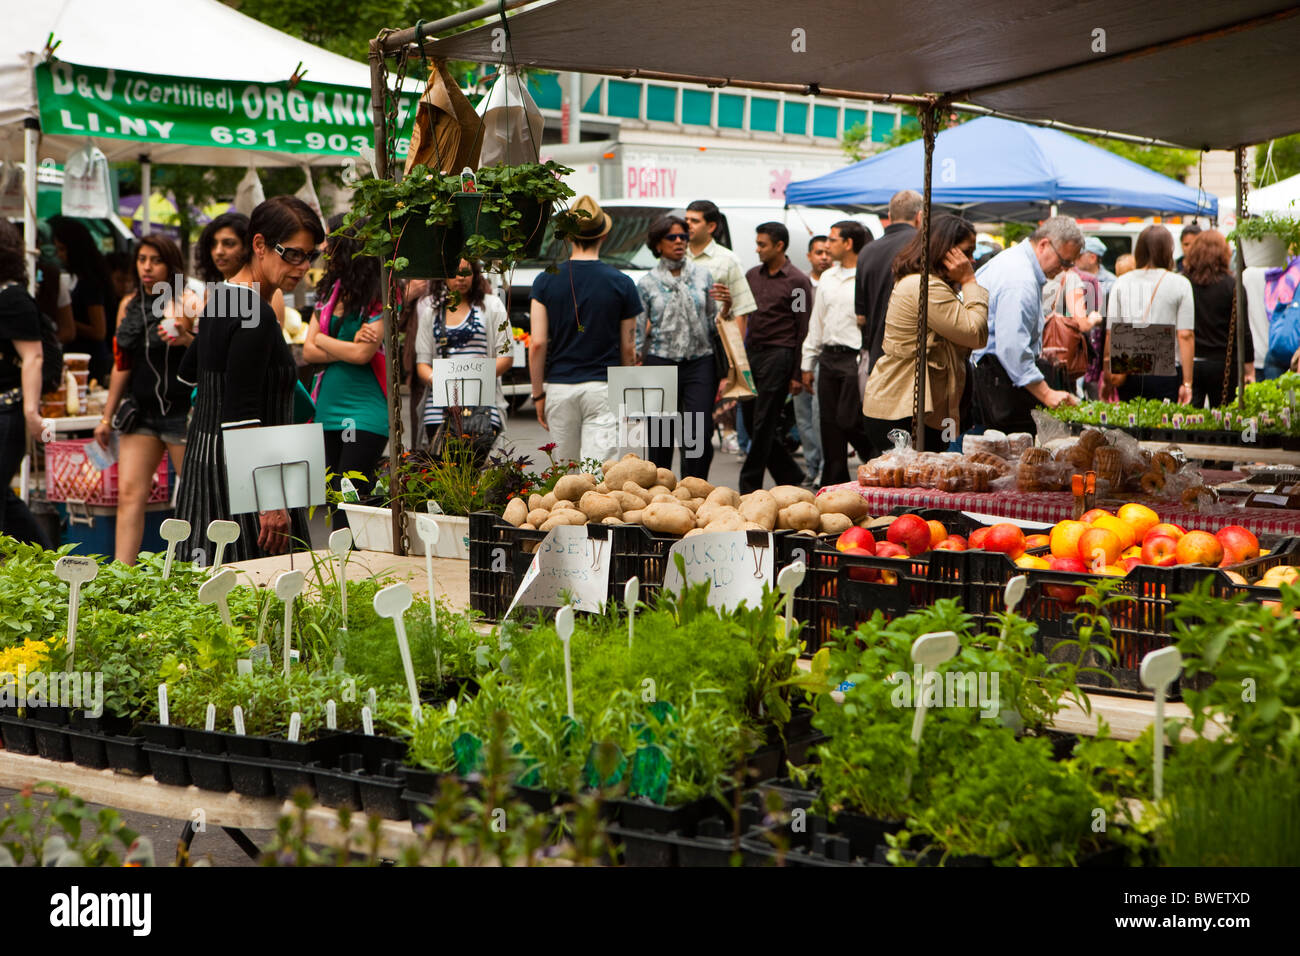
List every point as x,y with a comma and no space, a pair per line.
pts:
635,491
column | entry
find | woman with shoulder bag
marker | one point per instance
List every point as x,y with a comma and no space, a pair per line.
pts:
955,328
21,358
147,402
460,317
345,335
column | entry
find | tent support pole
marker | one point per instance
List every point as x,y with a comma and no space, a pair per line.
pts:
929,128
391,344
1239,171
31,143
395,41
146,193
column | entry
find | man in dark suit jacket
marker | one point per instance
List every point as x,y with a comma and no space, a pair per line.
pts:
875,268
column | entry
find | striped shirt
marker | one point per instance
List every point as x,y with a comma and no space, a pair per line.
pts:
490,335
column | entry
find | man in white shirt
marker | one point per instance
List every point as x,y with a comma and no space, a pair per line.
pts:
832,345
807,411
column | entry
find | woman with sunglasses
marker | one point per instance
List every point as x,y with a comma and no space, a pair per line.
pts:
245,375
675,329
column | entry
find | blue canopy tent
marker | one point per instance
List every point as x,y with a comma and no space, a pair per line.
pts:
996,169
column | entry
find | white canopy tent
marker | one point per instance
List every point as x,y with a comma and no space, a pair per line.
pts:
1282,196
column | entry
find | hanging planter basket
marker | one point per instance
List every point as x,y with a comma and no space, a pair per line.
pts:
433,251
475,221
1268,252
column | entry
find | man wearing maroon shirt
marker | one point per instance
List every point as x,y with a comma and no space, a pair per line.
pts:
773,339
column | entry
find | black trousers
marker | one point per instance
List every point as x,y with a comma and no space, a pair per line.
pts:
996,403
842,420
773,370
1207,379
697,385
1154,386
360,454
15,518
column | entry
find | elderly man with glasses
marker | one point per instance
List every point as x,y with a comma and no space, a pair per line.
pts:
1008,384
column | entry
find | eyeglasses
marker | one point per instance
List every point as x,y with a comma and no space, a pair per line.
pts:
1065,263
295,256
677,237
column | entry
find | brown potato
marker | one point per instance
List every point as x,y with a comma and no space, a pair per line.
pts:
786,495
724,496
658,490
611,521
707,512
573,487
726,522
666,498
516,511
527,527
682,494
644,473
633,517
698,487
761,509
693,531
628,501
843,502
693,504
668,518
603,488
835,523
632,488
563,516
535,501
666,478
548,501
537,516
801,516
598,507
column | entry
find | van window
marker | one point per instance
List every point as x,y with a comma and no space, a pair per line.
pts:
623,248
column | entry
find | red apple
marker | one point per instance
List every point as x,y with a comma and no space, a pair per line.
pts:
910,531
1167,530
856,537
1088,517
958,539
1199,547
858,573
1160,550
952,543
1239,544
1066,594
1128,564
977,538
1036,541
937,532
888,549
1006,538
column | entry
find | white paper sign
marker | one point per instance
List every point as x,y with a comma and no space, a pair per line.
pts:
736,569
254,454
1141,349
519,355
643,400
568,561
465,380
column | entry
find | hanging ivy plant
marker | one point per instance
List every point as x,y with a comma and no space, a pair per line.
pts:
506,219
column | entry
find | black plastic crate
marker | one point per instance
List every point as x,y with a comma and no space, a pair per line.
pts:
491,564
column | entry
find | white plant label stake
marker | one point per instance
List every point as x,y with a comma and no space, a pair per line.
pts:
631,591
331,715
295,726
340,544
392,602
564,627
287,587
1012,596
210,720
928,651
428,531
162,705
239,720
76,572
173,531
221,533
1159,670
215,590
367,722
372,699
787,582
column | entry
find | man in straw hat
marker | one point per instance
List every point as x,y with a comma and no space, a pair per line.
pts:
583,321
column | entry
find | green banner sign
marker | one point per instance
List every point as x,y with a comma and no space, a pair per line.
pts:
317,119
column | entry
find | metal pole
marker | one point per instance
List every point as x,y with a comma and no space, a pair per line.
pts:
146,193
1239,169
395,41
929,123
575,107
31,143
391,343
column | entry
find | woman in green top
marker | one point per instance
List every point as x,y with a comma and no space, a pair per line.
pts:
345,336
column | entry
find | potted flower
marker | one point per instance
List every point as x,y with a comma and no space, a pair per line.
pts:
450,488
504,217
410,224
1267,240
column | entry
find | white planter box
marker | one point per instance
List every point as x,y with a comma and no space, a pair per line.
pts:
372,530
1266,253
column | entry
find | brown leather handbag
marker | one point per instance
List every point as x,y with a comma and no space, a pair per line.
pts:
1064,346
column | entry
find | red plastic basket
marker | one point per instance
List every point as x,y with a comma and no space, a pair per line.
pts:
69,476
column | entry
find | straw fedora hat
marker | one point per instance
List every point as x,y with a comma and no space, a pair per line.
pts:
595,224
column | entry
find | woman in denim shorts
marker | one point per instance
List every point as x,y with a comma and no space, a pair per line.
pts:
147,404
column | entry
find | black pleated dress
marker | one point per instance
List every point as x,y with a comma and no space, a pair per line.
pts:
245,376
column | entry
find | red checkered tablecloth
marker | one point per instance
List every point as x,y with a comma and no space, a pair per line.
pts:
1051,507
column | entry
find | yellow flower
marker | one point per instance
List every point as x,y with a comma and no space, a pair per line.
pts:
29,656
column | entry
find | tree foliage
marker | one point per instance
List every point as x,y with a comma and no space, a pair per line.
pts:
345,27
1286,160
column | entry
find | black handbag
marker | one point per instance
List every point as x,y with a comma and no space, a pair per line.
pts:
126,415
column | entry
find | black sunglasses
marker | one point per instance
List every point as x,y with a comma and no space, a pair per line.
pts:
295,256
677,237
